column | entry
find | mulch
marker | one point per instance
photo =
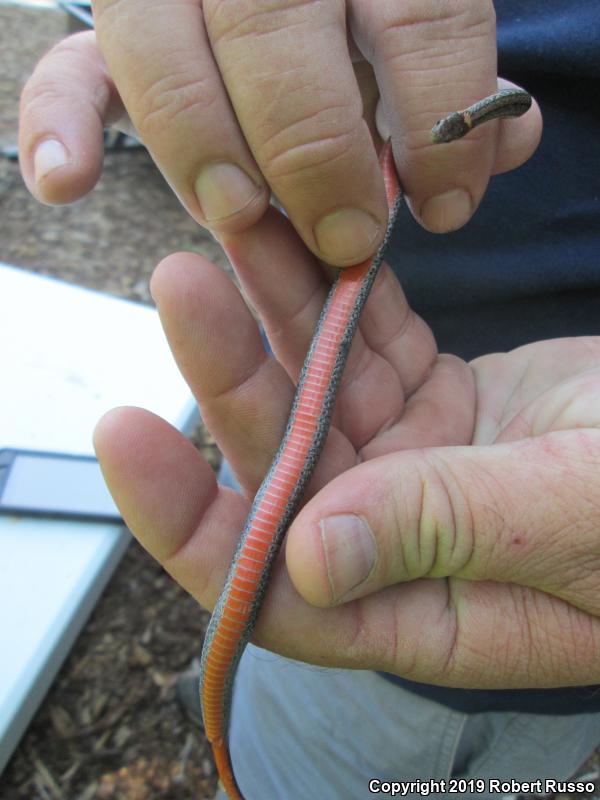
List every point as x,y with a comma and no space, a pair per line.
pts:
111,726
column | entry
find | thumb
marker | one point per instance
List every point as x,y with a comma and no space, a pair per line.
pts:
526,513
430,59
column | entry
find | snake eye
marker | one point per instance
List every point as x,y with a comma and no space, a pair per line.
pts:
452,127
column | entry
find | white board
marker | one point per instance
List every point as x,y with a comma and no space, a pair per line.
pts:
67,355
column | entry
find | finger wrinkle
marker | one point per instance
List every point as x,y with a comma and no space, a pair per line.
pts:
172,96
305,158
325,118
404,323
68,63
451,624
40,98
450,19
235,19
428,67
396,343
254,34
49,92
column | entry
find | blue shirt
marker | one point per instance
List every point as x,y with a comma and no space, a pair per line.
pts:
527,266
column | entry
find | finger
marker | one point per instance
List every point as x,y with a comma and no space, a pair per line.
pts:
169,497
244,394
467,634
65,106
518,137
261,256
567,406
472,634
180,108
431,59
524,513
289,75
170,500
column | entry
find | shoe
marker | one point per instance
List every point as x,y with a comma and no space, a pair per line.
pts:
188,692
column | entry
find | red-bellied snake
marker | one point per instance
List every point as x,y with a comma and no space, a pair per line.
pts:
281,491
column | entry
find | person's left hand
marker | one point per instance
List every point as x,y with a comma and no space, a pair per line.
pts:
483,499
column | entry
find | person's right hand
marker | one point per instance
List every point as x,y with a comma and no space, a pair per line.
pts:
235,98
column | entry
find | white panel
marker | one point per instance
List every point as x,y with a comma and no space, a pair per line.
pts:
67,355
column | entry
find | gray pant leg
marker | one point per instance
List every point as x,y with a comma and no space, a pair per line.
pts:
300,732
526,747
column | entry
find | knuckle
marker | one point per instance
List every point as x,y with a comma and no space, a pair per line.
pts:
230,20
433,35
36,94
444,535
72,49
304,147
436,20
171,98
57,78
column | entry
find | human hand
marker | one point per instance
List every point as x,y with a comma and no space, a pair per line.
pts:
287,92
484,573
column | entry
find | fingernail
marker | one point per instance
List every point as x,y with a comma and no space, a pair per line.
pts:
350,552
223,190
347,236
447,212
49,155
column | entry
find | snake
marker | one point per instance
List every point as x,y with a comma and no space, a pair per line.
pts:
281,491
